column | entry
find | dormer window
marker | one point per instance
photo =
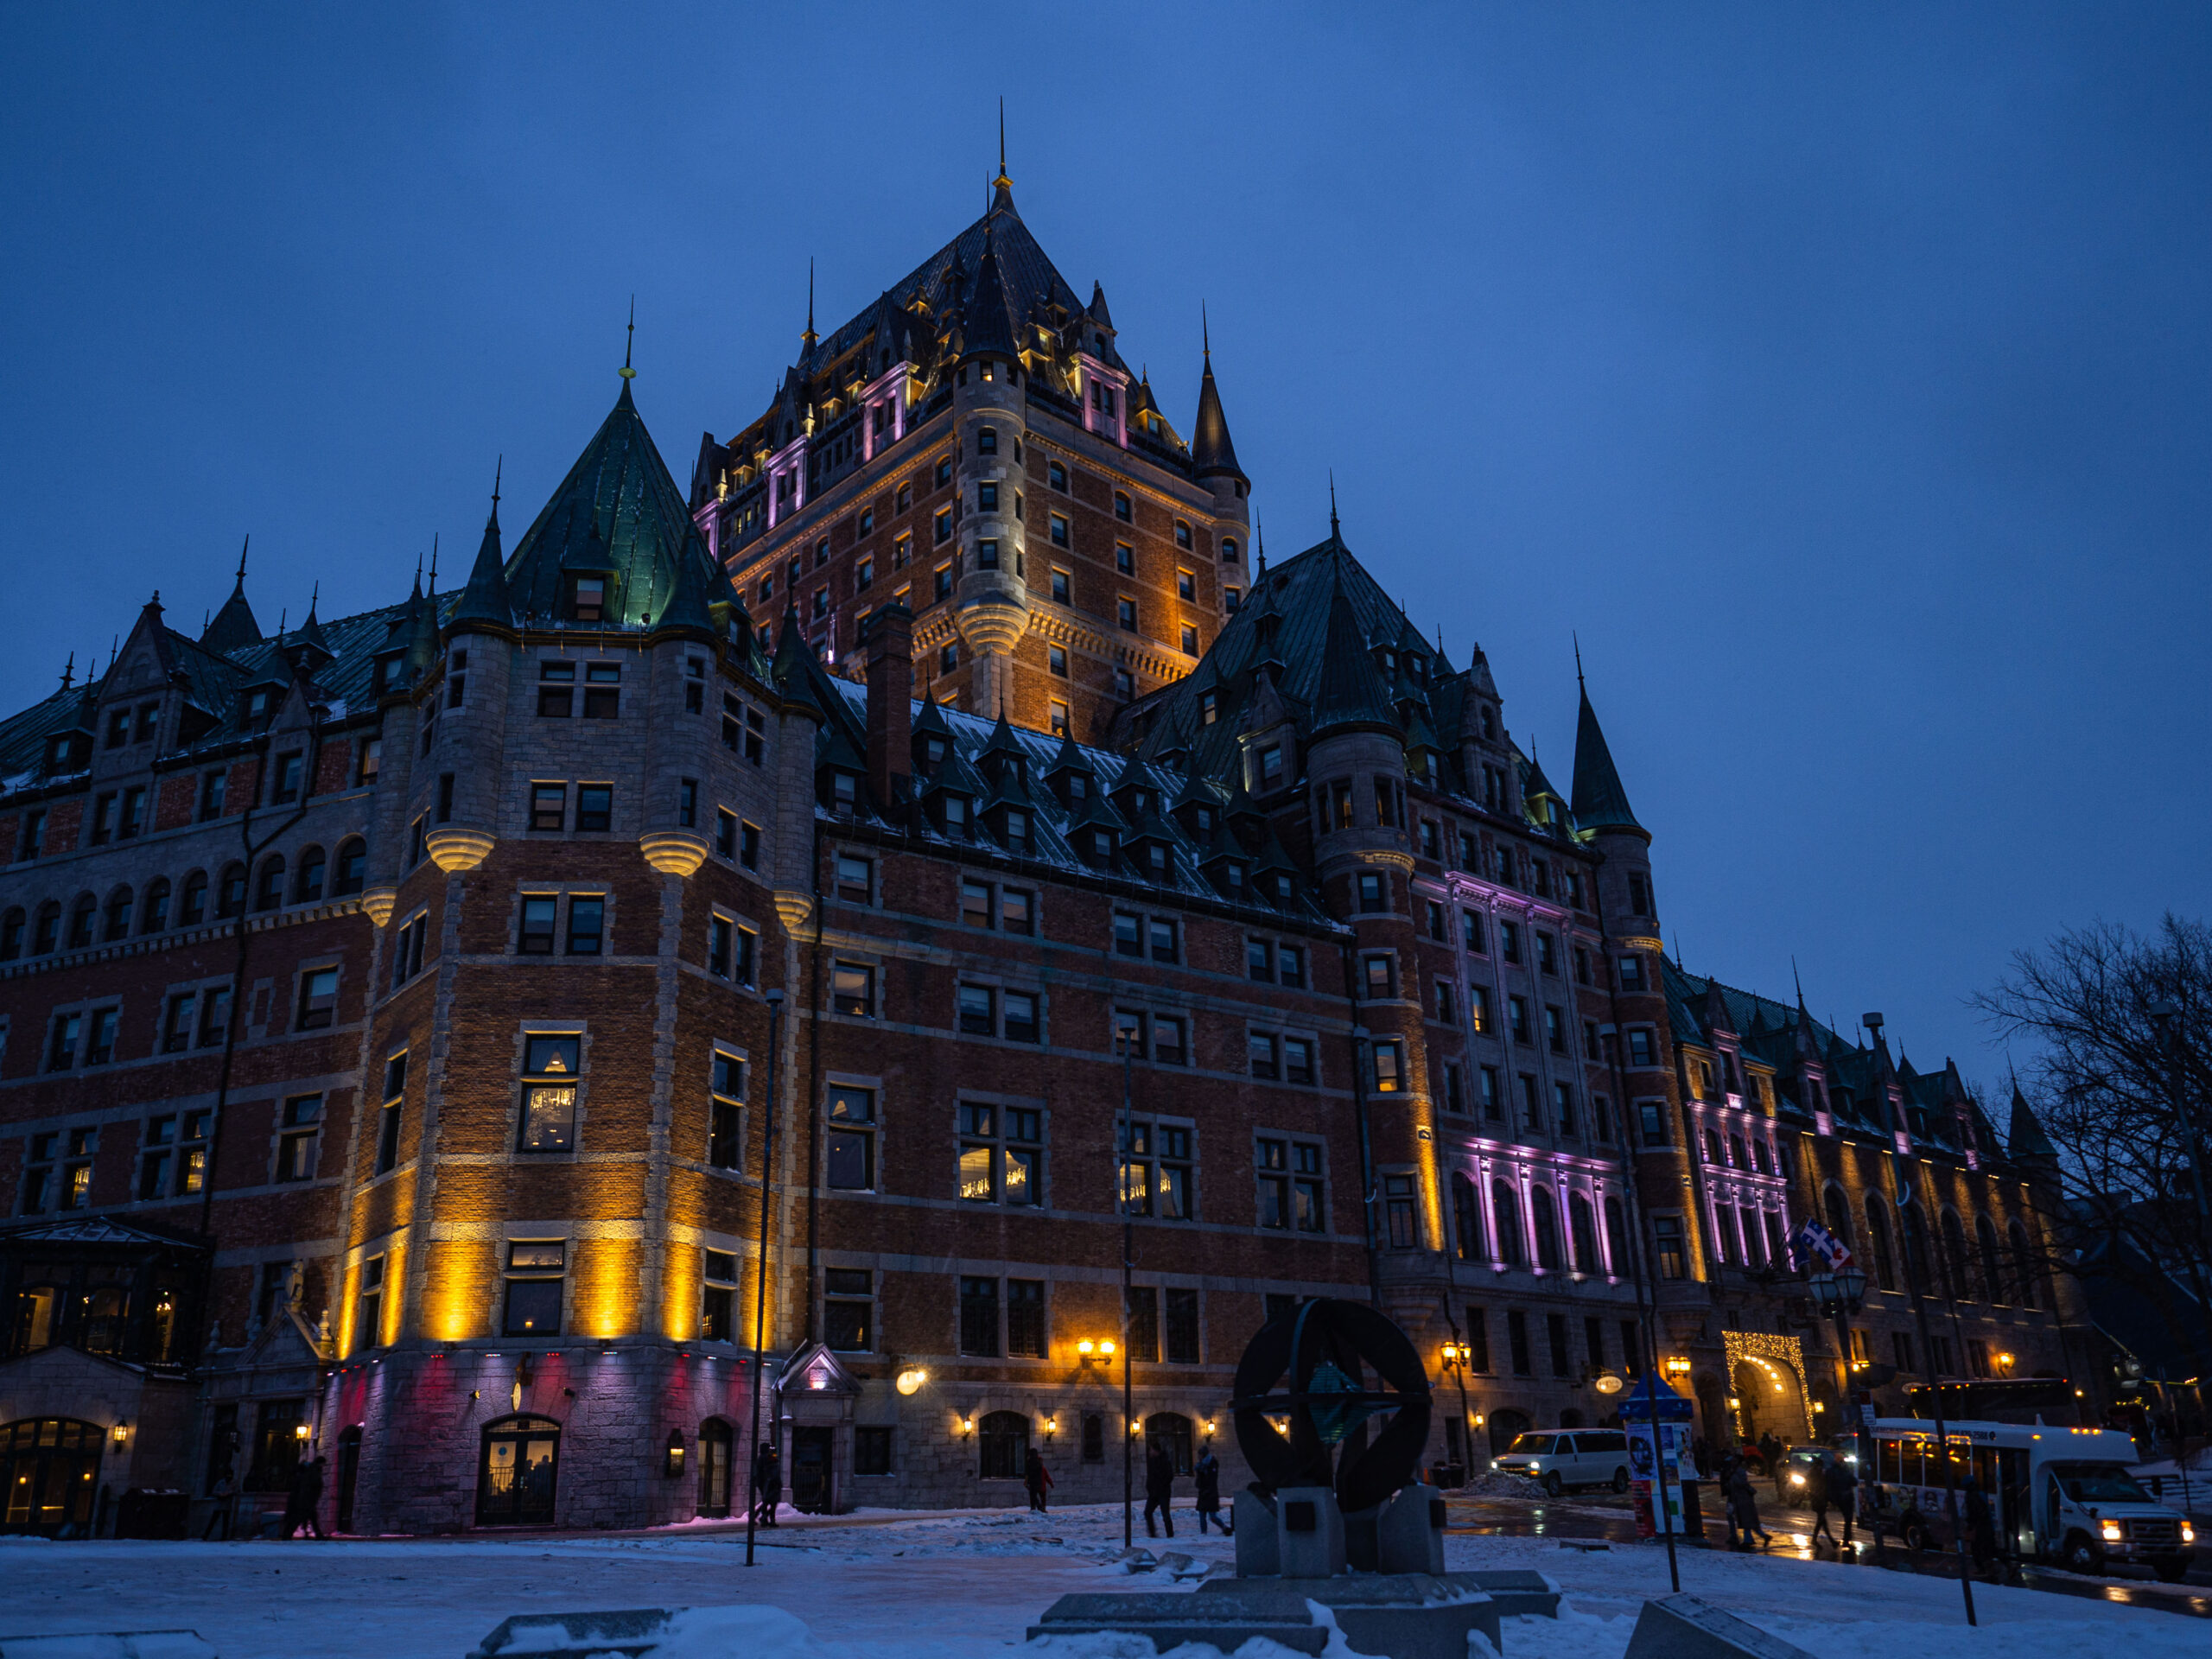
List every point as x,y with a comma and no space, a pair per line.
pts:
1101,846
933,750
587,599
955,814
1155,854
1017,829
1078,787
845,792
258,705
1232,877
1205,820
1209,707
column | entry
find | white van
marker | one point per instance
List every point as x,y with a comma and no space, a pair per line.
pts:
1560,1458
2058,1495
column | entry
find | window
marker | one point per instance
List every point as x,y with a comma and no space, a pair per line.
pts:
1125,611
1001,1154
555,691
718,1296
1059,718
1157,1170
176,1024
1298,1060
1264,1054
1182,1326
948,658
594,807
1057,476
978,1011
61,1052
1378,978
1060,587
1517,1332
1143,1315
550,1065
535,1279
1640,1049
388,1116
1455,1094
730,950
1555,1030
99,1044
1229,553
1667,1246
848,1310
1398,1211
602,690
1121,509
407,951
1169,1045
979,1318
726,1083
941,529
871,1450
300,1128
851,1139
549,806
1290,1184
1531,1104
214,1015
852,990
1182,533
855,877
1373,892
368,1307
318,999
1125,684
1056,659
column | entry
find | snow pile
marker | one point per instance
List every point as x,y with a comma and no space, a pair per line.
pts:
753,1632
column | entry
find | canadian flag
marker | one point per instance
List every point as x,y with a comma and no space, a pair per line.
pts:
1813,1240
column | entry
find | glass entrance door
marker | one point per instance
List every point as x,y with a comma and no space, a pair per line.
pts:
714,1468
514,1486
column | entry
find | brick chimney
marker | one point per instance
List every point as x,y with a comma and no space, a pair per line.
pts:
888,649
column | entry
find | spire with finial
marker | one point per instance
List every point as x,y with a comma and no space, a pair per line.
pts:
243,545
1260,533
1334,533
629,340
807,336
434,558
1577,638
1002,186
69,671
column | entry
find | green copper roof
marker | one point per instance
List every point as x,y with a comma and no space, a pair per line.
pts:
618,511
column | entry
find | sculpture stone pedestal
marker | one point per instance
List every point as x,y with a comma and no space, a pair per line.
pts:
1309,1533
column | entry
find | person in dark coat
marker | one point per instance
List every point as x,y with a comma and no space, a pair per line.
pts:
767,1483
1817,1498
303,1503
1036,1477
225,1495
1742,1506
1159,1490
1843,1492
1981,1533
1208,1472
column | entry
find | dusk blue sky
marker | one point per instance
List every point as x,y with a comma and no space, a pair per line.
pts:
1839,373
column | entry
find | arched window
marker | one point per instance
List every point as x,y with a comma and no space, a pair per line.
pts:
1919,1262
45,939
307,887
1544,1210
154,913
1877,1243
1001,1437
118,915
12,928
1467,1218
1616,1237
230,897
56,1462
194,909
1582,1228
1954,1258
716,1438
353,866
80,921
1507,1426
268,893
1505,1213
517,1472
1170,1432
1992,1266
2024,1267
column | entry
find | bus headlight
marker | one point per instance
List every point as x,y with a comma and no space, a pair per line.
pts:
2112,1531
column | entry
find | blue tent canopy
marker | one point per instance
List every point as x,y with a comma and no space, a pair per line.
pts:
1649,1399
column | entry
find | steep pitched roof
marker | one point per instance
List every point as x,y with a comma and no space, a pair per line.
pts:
2026,1138
617,509
1212,455
1600,802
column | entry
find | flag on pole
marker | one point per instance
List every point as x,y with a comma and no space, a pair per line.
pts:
1811,1241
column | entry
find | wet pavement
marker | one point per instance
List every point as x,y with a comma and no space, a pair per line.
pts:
1600,1518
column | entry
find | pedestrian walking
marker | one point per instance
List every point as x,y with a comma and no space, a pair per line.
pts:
1981,1533
1742,1506
1817,1499
1159,1490
303,1502
1843,1492
1036,1477
767,1483
1208,1474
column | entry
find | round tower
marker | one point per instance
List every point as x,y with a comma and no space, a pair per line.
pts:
991,600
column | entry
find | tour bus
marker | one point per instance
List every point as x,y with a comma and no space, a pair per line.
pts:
2058,1495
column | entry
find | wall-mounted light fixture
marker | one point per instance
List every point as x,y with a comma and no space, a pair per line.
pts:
1052,1427
1094,1353
1677,1365
672,1465
911,1380
299,1431
121,1433
967,1427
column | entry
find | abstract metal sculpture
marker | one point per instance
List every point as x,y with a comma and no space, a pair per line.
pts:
1323,1351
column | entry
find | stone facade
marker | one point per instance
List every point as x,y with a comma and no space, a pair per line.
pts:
623,984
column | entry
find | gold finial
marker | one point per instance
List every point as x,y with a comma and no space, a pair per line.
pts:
1002,183
722,485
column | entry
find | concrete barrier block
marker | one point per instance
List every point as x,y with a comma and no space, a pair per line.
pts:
1409,1534
1683,1627
1226,1620
1258,1554
630,1632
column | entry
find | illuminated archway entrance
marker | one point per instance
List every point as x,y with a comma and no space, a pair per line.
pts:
1766,1377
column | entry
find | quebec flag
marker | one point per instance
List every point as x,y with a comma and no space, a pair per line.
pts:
1813,1240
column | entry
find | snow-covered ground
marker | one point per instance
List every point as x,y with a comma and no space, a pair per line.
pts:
876,1586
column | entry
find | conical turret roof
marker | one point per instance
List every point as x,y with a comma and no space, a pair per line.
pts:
1212,455
484,598
1352,694
1599,801
987,326
233,627
617,511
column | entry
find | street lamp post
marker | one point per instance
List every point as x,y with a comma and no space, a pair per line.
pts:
760,1273
1128,1035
